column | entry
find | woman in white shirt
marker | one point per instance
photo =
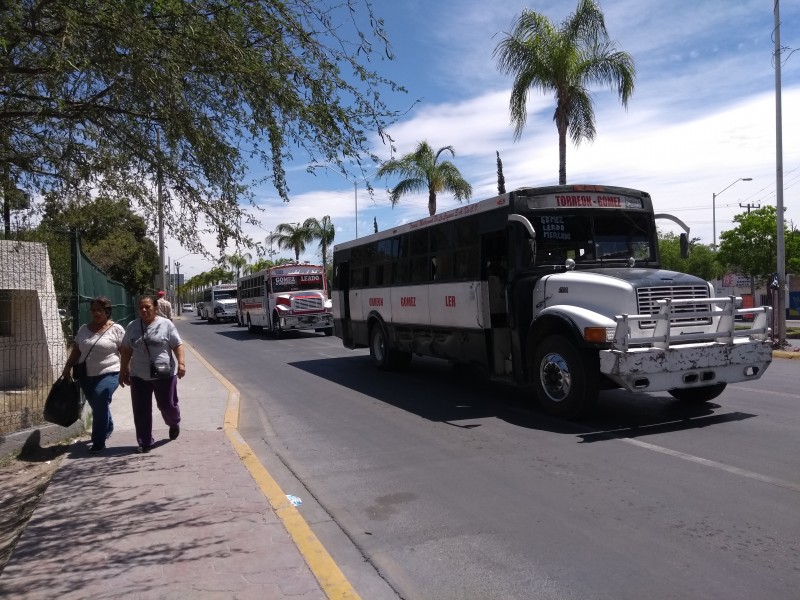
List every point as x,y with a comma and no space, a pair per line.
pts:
97,345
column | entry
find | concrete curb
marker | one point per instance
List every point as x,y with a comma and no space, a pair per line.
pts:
43,435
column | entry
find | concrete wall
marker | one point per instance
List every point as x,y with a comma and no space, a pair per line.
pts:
34,351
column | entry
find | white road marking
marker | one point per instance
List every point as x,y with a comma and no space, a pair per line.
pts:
713,464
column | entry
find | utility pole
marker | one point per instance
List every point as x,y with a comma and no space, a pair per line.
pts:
160,207
177,288
780,308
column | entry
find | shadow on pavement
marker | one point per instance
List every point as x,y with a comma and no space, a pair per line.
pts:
435,391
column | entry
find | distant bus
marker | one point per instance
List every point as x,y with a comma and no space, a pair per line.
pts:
284,298
219,303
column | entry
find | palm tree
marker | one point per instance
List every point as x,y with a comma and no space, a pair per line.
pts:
323,231
564,61
421,172
236,261
265,263
291,237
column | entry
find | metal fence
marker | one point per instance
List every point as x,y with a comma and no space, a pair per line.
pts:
46,285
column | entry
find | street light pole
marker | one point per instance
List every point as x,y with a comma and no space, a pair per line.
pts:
714,208
355,183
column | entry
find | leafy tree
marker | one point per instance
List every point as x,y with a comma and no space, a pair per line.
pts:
751,248
110,96
323,231
421,171
291,237
564,61
501,180
702,261
112,236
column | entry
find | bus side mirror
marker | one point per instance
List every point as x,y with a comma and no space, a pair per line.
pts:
684,246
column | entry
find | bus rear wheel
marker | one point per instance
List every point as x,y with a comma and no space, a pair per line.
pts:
250,327
564,377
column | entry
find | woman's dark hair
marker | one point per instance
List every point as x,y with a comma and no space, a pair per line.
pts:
102,302
152,299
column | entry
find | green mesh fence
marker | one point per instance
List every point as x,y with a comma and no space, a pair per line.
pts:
89,282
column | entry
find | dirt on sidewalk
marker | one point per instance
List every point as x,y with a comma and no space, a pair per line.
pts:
23,481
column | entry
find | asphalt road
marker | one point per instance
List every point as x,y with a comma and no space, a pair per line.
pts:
431,484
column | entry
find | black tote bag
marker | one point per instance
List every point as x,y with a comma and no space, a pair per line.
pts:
63,404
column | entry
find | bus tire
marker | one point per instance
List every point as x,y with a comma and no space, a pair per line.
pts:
564,377
698,395
379,350
250,327
276,329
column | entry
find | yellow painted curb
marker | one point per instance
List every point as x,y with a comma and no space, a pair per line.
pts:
785,354
330,577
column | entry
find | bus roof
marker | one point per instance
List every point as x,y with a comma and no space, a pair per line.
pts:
497,202
287,269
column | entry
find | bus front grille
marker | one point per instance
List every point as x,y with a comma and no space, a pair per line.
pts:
308,303
648,298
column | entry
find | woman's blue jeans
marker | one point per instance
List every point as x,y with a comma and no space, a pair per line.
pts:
98,391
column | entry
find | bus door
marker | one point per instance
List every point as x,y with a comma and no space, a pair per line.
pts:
343,322
494,272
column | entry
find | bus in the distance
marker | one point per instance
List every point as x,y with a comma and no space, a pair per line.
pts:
559,288
219,303
285,298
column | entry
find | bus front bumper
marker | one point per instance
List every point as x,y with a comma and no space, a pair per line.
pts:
686,366
318,321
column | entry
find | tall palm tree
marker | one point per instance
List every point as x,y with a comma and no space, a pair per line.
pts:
291,236
237,261
421,171
323,231
265,263
565,61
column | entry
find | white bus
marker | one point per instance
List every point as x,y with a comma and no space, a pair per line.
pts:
288,297
556,287
219,303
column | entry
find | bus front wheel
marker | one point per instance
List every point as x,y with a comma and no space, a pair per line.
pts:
564,377
382,354
277,330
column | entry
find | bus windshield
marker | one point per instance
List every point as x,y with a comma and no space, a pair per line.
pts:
226,295
616,235
296,283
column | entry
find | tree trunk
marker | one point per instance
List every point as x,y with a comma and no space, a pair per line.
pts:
562,154
432,203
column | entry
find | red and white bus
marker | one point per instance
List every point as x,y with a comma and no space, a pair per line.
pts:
558,287
285,298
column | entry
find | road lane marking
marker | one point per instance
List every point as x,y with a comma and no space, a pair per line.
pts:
714,464
330,577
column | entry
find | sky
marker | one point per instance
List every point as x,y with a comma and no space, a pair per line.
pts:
701,118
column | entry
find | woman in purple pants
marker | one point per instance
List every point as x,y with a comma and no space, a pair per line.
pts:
152,361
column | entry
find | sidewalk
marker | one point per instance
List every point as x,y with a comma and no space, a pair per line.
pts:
188,520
